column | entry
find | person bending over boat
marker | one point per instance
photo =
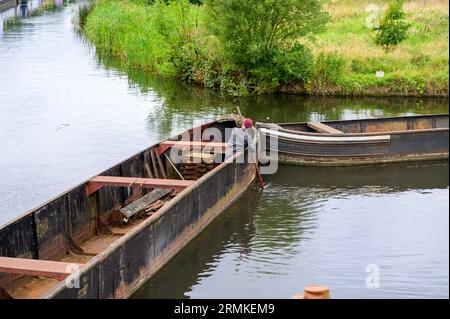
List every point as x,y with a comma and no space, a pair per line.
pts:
242,137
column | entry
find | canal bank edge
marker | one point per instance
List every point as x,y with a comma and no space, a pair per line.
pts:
403,72
6,4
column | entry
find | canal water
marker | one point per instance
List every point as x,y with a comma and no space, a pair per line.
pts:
67,113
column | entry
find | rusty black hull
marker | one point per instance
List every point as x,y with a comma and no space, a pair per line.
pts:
399,139
120,268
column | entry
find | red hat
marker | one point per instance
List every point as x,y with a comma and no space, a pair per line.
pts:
248,123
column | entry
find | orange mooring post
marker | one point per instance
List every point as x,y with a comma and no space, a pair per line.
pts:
314,292
317,292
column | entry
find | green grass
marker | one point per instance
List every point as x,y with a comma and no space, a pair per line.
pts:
139,34
417,66
171,41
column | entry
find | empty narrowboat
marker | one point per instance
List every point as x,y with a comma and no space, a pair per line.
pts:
354,142
106,236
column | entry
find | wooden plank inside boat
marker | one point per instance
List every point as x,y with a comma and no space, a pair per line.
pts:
138,205
196,157
323,128
99,181
213,146
33,267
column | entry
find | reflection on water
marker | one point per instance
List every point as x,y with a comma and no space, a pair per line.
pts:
322,225
185,101
67,113
13,10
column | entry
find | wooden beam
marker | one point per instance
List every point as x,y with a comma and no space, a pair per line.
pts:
161,166
33,267
153,158
98,182
138,205
216,146
323,128
199,157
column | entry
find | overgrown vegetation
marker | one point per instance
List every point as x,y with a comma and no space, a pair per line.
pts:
243,46
84,10
393,28
417,66
259,38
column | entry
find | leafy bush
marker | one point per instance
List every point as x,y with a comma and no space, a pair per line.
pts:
329,68
255,33
142,35
393,29
294,64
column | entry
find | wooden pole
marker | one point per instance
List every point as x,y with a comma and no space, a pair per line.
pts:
174,167
258,174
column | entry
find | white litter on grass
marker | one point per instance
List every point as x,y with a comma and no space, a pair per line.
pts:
379,74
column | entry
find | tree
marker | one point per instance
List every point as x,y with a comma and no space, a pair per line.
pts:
393,28
251,32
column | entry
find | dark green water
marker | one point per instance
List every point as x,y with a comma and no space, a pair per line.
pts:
67,113
325,226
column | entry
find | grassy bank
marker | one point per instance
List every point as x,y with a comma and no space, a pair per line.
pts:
417,66
172,41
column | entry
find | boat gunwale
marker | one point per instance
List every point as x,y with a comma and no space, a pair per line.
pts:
324,143
372,119
440,129
397,132
358,161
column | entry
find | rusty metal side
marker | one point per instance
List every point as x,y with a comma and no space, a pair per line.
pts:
381,125
44,232
81,221
285,159
198,214
135,257
410,145
419,143
52,228
18,239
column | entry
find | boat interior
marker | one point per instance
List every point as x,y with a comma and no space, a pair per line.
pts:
380,125
135,199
